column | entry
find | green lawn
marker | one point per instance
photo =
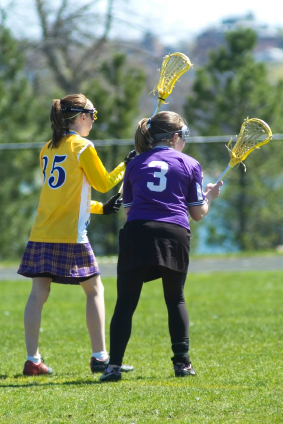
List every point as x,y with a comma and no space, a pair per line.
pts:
236,349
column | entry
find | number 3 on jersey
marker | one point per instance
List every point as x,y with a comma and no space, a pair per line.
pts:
161,186
61,173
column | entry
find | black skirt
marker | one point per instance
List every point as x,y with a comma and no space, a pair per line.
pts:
153,243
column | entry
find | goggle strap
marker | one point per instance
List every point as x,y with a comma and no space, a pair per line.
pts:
184,133
79,110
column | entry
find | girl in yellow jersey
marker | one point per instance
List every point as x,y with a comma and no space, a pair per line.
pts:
58,249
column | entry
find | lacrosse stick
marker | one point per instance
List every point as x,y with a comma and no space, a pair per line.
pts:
254,133
121,189
173,66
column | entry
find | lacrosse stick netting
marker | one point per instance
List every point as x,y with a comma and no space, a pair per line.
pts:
173,66
253,134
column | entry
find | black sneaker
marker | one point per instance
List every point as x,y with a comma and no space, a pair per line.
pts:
113,375
97,365
183,370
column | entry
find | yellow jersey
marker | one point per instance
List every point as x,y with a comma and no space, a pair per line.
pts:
65,203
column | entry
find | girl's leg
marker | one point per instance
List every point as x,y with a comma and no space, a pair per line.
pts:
95,312
129,286
173,286
32,317
178,319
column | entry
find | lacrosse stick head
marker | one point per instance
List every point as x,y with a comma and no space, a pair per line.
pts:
173,66
253,134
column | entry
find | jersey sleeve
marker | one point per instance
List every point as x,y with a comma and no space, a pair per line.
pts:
95,172
96,207
195,195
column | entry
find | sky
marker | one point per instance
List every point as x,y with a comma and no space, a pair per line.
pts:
170,20
184,19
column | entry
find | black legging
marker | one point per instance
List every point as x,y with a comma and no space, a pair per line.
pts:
129,286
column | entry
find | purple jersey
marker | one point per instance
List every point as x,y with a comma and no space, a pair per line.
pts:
160,184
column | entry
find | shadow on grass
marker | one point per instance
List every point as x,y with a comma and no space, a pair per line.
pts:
33,382
50,384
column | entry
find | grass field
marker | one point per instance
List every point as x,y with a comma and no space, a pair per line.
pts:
236,349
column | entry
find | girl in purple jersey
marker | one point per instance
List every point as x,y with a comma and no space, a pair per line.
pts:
161,186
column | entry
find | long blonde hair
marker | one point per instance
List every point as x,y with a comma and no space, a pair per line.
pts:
162,122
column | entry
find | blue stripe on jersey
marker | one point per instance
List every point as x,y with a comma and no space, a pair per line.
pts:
127,205
162,147
70,132
195,203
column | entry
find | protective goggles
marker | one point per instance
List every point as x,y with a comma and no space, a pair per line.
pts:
184,133
92,112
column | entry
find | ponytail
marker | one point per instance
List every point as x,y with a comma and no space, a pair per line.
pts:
57,123
143,137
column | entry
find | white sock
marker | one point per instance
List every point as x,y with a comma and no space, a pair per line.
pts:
101,356
34,359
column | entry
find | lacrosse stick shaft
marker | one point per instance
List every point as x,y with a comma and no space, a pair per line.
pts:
156,109
223,173
121,189
219,179
154,113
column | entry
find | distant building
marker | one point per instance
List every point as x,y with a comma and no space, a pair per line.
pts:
268,47
152,44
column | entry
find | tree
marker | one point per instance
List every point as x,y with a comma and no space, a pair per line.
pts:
19,123
73,40
66,51
231,87
116,97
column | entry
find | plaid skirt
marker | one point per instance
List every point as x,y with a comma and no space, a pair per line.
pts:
65,263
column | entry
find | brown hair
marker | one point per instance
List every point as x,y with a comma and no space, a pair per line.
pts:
60,120
162,122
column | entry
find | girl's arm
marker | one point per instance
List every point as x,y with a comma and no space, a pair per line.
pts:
126,212
211,192
96,173
96,207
